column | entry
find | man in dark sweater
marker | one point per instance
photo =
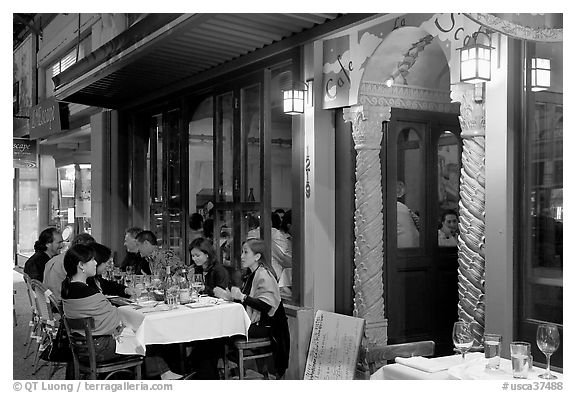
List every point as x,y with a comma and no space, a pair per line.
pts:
133,258
48,244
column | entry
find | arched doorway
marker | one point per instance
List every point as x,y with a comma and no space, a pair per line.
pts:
420,158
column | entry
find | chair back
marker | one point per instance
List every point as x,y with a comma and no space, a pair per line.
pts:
30,291
79,332
374,358
41,294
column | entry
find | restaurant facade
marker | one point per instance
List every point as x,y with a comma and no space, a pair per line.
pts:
184,114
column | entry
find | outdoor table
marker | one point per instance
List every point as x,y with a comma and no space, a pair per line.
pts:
453,368
206,319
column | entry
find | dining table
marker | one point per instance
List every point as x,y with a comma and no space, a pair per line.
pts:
452,367
153,322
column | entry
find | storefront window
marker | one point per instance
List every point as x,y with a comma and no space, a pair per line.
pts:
200,171
541,262
27,215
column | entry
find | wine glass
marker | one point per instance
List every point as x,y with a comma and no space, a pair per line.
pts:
548,340
462,337
198,282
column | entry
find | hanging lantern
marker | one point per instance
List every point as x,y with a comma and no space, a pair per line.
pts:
541,73
294,99
476,58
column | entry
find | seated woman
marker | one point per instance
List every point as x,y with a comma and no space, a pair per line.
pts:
103,256
81,301
261,298
215,274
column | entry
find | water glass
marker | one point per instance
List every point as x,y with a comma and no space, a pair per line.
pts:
520,354
492,346
172,296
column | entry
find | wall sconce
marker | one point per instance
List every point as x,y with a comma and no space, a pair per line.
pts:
541,73
295,98
476,57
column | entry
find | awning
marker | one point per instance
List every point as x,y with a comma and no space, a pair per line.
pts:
164,53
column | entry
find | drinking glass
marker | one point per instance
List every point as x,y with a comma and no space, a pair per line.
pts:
198,282
520,356
462,337
492,344
128,280
548,340
117,274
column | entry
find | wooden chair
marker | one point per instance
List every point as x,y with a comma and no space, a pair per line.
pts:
84,353
374,358
34,324
263,347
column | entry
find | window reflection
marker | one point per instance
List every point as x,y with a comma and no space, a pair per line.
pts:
409,189
448,189
200,172
542,173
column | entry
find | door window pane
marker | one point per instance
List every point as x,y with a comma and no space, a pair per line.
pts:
409,188
448,189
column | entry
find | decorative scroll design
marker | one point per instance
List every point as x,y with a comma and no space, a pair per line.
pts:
515,30
410,58
368,221
408,97
471,257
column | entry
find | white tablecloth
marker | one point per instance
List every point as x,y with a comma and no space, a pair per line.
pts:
474,368
182,324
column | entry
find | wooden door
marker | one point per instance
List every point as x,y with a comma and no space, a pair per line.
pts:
421,277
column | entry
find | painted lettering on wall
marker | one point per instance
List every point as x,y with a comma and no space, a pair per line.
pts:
307,187
41,116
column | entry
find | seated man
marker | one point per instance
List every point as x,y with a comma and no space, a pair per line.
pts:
156,257
48,245
133,258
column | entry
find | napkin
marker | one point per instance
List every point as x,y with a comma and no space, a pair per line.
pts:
422,364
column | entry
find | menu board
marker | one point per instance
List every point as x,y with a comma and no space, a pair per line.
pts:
334,346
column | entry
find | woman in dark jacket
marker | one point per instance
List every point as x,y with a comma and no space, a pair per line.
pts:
215,274
103,256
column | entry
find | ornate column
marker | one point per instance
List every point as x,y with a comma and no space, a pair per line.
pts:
368,221
471,259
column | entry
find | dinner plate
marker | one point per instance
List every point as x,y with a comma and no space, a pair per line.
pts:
478,371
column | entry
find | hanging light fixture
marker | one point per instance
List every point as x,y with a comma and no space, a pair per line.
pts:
476,58
294,99
541,73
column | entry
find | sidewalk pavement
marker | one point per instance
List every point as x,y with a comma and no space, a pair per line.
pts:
23,368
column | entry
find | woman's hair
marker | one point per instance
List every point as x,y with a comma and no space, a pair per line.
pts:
46,237
75,254
276,220
286,222
101,253
205,246
196,221
448,213
257,246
